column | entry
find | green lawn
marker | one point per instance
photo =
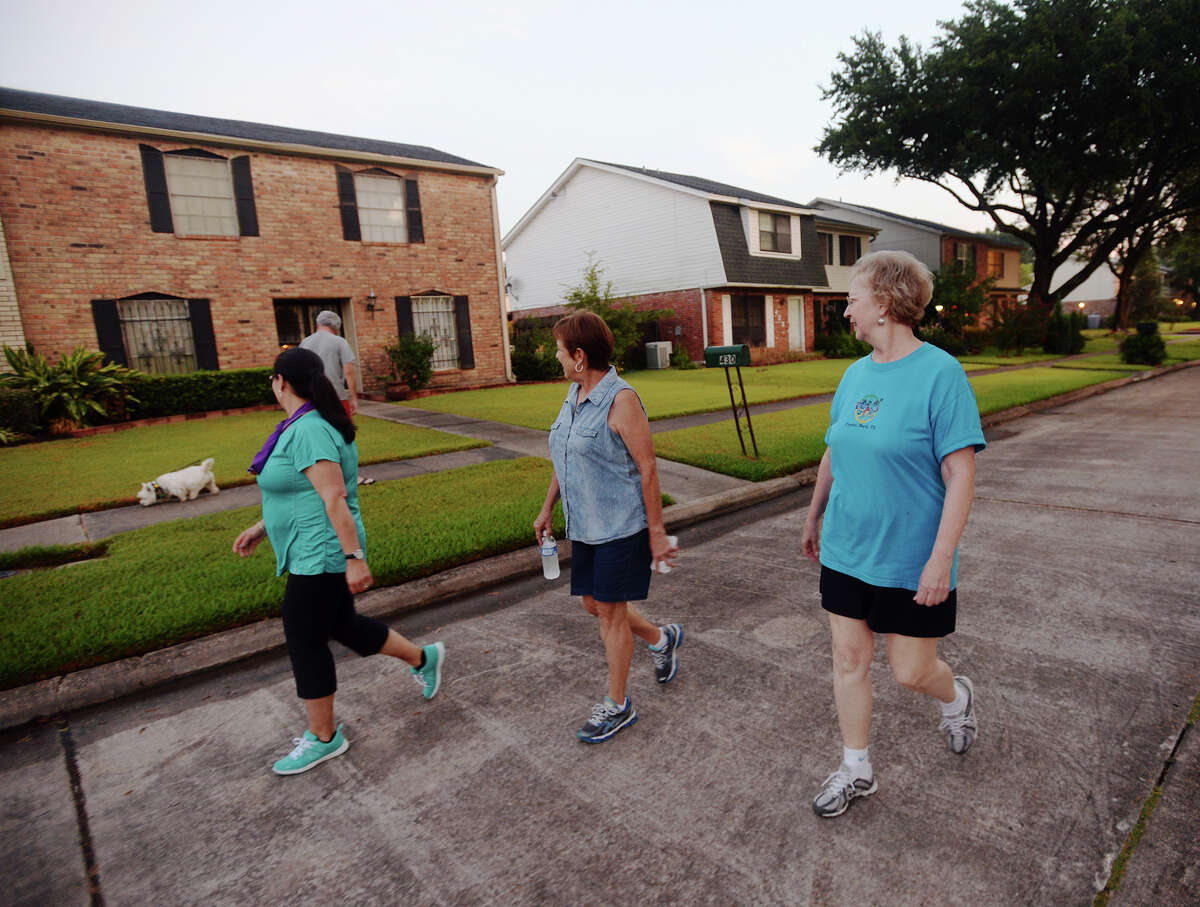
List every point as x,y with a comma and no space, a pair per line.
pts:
1110,361
1183,351
127,603
794,438
992,357
665,393
107,470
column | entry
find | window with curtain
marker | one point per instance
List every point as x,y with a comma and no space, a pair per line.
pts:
849,249
380,207
826,240
964,255
995,261
201,190
434,316
748,319
774,232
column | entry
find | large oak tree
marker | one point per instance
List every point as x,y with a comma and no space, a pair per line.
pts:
1071,123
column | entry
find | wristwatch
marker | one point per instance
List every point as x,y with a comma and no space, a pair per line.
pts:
356,555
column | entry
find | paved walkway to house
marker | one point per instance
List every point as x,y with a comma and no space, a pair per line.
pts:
1078,623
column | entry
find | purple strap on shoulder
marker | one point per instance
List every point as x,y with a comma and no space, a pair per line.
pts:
260,458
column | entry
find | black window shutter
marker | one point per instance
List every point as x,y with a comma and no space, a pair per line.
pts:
462,323
243,193
412,212
202,334
157,195
348,202
108,330
404,321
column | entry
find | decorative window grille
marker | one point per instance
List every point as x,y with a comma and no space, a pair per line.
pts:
201,195
964,254
380,208
434,316
158,335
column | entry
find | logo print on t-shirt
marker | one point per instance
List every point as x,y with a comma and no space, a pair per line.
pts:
866,409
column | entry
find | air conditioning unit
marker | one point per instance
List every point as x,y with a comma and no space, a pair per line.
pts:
658,354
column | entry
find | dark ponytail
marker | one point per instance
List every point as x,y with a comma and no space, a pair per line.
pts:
304,371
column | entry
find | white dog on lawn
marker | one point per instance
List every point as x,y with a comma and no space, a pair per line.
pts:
185,484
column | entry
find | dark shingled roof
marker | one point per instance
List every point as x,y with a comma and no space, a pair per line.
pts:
999,239
742,267
703,185
77,108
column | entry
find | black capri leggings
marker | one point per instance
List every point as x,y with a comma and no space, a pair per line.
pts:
315,610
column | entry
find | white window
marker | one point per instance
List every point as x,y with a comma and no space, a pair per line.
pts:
380,207
201,190
434,316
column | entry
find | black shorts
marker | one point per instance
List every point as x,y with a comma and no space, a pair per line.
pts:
616,571
886,610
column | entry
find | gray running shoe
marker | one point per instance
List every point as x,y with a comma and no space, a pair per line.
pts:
961,729
839,789
666,659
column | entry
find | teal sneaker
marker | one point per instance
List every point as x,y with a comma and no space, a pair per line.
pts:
311,752
430,676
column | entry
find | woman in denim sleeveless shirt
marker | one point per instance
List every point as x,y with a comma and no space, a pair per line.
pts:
605,473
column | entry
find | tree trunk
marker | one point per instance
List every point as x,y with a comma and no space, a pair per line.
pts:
1124,301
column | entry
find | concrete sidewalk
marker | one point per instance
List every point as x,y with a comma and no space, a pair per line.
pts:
1079,623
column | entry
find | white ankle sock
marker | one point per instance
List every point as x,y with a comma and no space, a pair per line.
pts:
662,639
959,705
858,761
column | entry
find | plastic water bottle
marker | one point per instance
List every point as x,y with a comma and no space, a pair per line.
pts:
549,557
673,541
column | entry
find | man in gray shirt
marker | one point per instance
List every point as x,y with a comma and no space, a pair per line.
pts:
335,352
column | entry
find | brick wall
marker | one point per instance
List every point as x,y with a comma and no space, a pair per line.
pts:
74,205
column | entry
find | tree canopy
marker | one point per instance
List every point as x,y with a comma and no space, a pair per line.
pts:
1068,122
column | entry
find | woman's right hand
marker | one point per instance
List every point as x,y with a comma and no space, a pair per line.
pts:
541,526
810,541
248,540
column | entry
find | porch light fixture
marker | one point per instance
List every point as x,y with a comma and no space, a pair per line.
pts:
938,309
371,302
1083,305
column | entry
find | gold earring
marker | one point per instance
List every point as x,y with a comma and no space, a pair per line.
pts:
578,366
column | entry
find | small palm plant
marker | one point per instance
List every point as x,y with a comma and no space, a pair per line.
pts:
73,391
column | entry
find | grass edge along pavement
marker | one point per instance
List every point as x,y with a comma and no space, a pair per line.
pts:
62,619
155,449
1121,862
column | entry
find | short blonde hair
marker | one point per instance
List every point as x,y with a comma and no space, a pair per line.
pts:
900,281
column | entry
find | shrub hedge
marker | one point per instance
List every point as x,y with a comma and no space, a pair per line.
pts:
19,410
1145,349
195,392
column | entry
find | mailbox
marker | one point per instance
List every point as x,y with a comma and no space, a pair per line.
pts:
726,356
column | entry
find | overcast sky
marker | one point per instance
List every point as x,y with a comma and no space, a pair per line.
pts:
724,90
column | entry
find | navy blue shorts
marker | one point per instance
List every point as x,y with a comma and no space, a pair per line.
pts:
616,571
886,610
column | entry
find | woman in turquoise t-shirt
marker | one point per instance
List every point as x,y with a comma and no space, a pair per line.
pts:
894,488
307,473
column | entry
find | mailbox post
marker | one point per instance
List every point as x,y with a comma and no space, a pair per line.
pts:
728,357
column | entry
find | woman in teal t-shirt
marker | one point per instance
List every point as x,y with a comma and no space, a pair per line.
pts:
307,473
894,488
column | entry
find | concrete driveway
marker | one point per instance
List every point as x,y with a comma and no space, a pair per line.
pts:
1079,623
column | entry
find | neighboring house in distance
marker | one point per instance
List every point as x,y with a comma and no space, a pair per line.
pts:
735,266
174,242
1096,295
937,244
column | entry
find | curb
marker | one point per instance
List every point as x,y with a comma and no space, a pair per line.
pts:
104,683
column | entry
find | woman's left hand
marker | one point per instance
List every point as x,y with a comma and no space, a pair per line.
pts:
661,549
358,576
934,586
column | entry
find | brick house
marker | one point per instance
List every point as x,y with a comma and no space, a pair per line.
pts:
935,245
174,242
735,266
